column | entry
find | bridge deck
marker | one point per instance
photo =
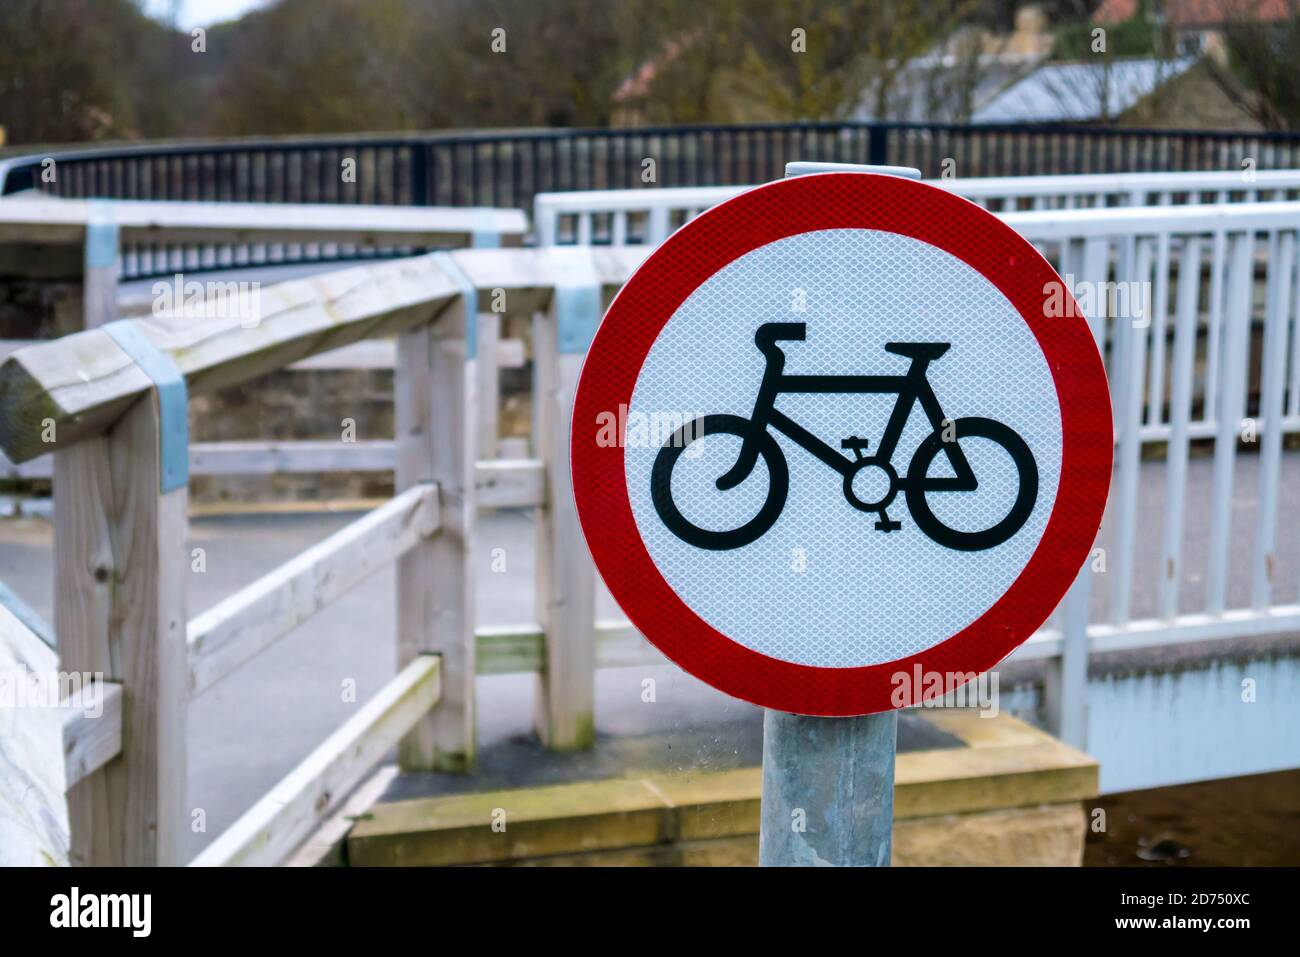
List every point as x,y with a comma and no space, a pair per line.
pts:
253,727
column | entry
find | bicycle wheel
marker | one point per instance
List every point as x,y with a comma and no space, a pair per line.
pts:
1027,471
661,486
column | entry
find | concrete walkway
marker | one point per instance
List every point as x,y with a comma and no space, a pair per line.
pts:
250,729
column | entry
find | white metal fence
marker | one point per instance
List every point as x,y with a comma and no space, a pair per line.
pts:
1081,206
647,216
1215,355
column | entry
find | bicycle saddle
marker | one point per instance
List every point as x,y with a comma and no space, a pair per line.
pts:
918,350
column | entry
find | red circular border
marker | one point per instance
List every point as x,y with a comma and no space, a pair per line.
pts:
726,232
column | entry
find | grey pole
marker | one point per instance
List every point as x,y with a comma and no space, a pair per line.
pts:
828,790
828,783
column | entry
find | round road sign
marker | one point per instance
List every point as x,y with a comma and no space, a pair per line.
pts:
837,434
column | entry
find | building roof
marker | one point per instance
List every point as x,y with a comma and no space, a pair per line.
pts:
1187,14
932,90
1075,92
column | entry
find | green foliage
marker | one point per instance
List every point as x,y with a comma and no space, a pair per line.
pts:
316,66
1262,62
1134,37
736,60
91,69
83,70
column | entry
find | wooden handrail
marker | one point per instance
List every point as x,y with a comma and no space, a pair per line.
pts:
277,823
249,621
81,383
50,220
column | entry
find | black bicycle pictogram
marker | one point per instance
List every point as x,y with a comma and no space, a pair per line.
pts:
911,387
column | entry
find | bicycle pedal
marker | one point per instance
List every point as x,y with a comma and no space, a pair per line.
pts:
888,525
855,444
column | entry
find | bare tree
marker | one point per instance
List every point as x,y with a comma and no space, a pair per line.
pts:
56,78
1263,59
735,60
1104,71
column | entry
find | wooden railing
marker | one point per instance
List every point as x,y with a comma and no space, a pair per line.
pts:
198,233
89,741
46,748
97,401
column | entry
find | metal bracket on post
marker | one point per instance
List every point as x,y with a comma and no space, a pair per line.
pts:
99,276
470,294
803,169
828,783
577,298
485,234
101,236
173,401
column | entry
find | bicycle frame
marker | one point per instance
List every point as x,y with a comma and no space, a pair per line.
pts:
911,387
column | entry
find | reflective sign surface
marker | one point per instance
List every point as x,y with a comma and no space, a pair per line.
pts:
828,432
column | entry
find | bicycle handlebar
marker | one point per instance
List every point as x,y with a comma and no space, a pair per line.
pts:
772,332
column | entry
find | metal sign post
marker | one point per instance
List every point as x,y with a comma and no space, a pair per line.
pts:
828,783
828,790
836,452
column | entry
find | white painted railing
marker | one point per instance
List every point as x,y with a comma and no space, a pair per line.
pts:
1082,205
1225,274
160,238
1217,278
1097,248
647,216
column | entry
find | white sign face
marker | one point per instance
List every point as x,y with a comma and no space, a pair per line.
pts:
848,576
853,436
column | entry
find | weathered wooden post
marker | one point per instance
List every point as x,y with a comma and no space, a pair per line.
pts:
120,576
103,262
566,581
435,408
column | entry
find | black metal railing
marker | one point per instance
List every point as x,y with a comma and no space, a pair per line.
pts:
507,169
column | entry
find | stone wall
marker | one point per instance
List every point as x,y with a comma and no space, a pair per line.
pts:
1007,795
295,405
40,291
311,405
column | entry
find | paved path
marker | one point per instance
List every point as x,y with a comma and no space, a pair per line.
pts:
250,729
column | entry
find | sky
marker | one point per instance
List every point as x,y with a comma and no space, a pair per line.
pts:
200,13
